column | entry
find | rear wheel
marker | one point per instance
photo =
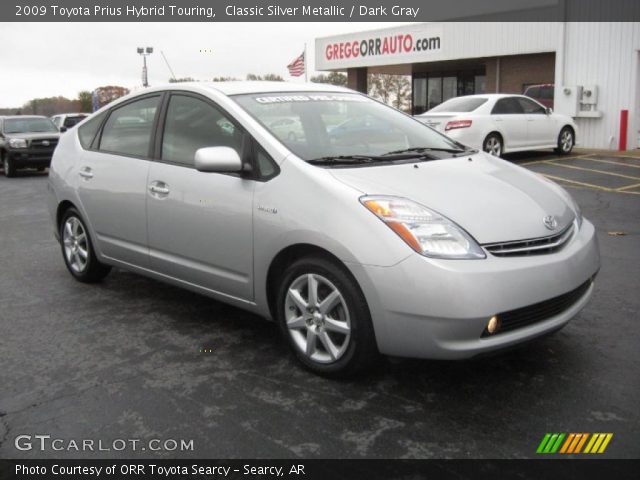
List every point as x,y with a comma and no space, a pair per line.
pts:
493,145
9,166
566,141
77,249
324,318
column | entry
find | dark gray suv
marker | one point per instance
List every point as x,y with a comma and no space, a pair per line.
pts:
26,142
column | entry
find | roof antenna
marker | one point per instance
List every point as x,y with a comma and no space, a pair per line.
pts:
168,66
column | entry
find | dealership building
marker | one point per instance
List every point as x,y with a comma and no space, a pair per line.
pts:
594,67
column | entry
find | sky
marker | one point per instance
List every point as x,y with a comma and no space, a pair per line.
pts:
50,59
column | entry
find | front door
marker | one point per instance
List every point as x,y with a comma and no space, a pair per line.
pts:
200,223
541,127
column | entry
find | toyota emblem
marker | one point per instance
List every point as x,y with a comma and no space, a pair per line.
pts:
550,222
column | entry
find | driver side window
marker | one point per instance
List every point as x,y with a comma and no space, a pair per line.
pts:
192,124
530,106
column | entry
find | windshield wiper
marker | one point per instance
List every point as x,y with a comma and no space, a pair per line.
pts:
342,159
426,149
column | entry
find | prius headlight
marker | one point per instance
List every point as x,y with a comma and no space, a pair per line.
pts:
424,230
17,143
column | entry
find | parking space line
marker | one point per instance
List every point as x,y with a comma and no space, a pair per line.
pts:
622,189
582,184
554,159
612,162
626,156
602,172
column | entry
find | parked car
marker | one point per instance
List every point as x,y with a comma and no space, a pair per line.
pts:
499,123
26,142
418,248
65,121
287,129
543,93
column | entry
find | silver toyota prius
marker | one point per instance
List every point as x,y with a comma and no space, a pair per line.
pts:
356,228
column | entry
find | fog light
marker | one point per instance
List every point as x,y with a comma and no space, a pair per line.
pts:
494,325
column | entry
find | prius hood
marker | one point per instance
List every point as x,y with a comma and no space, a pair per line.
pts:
493,200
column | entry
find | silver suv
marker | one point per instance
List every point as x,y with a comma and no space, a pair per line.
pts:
383,237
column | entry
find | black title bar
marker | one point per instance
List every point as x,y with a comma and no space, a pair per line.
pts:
317,10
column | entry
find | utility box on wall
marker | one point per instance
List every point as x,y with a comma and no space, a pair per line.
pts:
567,99
589,102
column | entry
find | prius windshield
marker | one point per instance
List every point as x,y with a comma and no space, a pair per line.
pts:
317,126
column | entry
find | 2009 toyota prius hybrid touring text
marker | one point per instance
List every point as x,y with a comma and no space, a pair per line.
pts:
363,232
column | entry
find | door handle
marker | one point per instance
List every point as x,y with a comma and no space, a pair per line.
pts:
86,173
159,188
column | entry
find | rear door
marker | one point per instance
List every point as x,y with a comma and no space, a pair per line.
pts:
509,117
541,129
200,223
112,180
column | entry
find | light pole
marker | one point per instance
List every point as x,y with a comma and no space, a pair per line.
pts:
145,52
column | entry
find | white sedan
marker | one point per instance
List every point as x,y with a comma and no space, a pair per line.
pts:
501,123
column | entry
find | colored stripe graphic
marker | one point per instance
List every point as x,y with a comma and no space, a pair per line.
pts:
581,443
568,443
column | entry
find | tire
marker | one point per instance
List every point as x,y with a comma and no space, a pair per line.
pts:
566,141
334,340
493,145
9,166
75,239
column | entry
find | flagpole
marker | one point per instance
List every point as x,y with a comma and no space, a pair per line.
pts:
305,62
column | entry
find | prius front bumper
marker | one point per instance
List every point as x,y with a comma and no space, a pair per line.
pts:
427,308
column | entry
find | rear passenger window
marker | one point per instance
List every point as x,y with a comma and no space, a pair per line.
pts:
507,106
87,132
128,129
192,124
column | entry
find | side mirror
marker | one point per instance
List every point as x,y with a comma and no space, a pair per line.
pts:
63,129
549,110
217,159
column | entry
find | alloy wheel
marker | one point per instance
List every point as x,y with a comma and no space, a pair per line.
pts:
493,147
566,141
317,318
76,244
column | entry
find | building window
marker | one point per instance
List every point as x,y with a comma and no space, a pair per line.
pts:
434,92
449,88
431,89
419,95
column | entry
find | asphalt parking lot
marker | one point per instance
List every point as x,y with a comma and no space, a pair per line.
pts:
132,358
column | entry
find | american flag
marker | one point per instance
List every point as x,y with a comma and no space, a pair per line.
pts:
296,68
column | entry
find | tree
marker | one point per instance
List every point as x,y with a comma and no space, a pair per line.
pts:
86,101
270,77
333,78
224,79
394,90
109,93
50,106
182,80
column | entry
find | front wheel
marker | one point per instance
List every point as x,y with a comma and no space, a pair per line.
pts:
493,144
8,166
77,249
566,141
324,318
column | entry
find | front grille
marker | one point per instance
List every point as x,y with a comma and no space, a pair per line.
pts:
534,246
525,316
40,143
